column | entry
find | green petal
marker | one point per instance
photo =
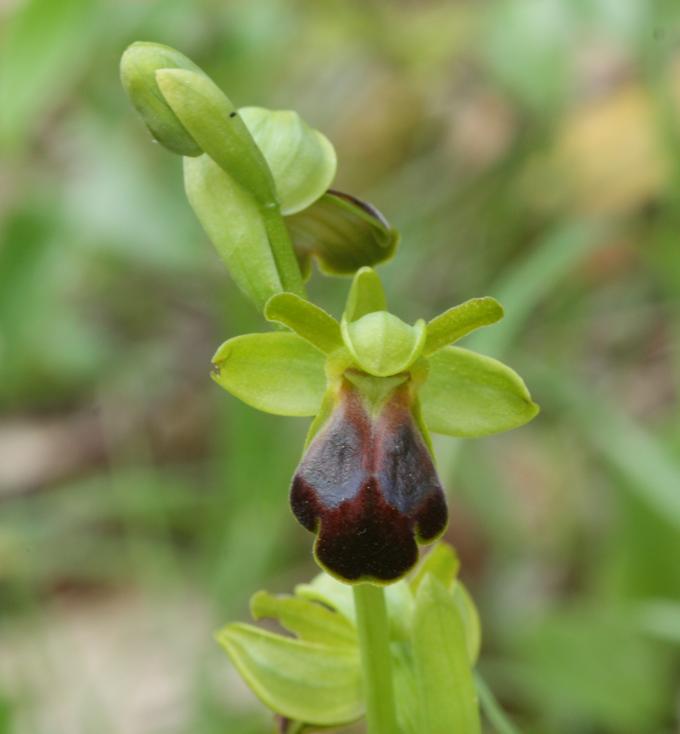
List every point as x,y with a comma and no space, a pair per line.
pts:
306,319
231,219
383,344
277,373
448,700
301,680
307,619
468,395
343,233
301,159
213,122
138,67
365,295
458,321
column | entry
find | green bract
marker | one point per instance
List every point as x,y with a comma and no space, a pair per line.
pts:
302,160
460,393
315,677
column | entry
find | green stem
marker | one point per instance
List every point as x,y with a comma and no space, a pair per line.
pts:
374,645
282,249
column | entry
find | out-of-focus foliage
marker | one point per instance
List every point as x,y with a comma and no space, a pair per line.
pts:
525,150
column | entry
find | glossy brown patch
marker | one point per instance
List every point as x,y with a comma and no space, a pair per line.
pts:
369,488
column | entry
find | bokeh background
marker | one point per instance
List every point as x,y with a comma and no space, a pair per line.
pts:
526,149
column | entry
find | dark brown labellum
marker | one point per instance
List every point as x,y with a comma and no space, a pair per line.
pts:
368,487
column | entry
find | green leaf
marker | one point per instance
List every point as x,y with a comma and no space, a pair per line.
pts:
138,67
405,689
448,701
366,295
343,233
301,159
278,373
306,319
442,562
301,680
470,616
468,395
383,344
231,219
309,620
214,123
460,320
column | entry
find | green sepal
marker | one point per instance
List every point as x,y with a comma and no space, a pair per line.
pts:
460,320
306,319
230,217
469,395
138,66
277,373
214,123
301,159
366,295
383,344
343,233
300,680
447,696
307,619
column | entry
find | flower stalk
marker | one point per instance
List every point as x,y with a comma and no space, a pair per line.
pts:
373,634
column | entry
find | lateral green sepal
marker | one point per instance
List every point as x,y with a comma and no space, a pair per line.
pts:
305,319
469,395
460,320
277,373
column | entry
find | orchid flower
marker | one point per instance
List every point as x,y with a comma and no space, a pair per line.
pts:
367,485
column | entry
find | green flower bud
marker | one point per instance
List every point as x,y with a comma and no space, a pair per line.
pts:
138,67
343,233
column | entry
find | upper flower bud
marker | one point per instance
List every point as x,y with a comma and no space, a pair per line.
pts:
138,67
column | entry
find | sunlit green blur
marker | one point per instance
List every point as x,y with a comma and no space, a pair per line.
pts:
527,150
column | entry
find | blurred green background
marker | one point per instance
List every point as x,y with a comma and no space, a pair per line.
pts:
527,149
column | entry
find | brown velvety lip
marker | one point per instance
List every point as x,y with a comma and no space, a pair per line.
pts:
369,488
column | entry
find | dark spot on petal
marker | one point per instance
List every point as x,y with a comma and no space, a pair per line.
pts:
233,113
